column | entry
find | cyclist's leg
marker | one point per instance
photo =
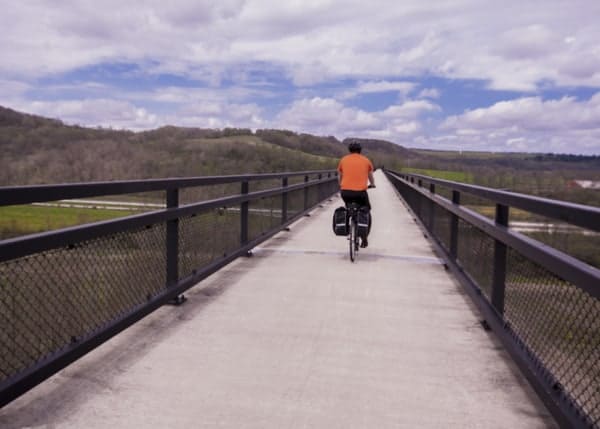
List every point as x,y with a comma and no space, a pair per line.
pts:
368,204
362,199
364,202
344,195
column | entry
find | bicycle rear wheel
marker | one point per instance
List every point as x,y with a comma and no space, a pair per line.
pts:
353,238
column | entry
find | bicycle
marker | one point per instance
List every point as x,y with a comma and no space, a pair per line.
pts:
353,235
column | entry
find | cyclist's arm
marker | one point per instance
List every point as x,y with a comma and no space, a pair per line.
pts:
340,174
371,179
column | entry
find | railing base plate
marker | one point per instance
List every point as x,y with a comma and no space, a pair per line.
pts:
178,300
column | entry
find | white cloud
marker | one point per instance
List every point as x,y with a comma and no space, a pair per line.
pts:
312,40
229,51
532,114
430,93
125,115
10,89
529,43
402,88
383,86
330,117
406,128
95,112
314,114
410,109
533,124
186,95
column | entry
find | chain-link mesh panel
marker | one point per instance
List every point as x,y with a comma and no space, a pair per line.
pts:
264,215
442,219
483,206
560,324
204,193
476,255
578,242
313,196
50,299
425,208
444,192
293,180
207,237
411,196
261,185
295,203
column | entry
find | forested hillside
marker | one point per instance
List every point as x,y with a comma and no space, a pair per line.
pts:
547,175
36,150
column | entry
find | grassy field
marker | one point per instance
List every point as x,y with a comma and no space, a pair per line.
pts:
28,219
456,176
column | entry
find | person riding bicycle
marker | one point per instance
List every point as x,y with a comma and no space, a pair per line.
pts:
355,171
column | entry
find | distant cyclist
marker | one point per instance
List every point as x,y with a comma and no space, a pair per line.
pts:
355,173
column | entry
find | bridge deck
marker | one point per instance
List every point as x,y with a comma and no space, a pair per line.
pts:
297,336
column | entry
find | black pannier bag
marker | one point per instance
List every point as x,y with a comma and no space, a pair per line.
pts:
363,221
340,221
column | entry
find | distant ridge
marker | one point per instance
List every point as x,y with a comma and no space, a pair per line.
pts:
9,117
34,150
37,150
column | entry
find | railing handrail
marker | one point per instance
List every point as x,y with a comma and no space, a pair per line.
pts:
581,274
13,195
576,214
18,247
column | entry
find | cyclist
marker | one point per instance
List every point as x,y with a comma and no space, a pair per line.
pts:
355,171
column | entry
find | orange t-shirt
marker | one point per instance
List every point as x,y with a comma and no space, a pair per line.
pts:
355,169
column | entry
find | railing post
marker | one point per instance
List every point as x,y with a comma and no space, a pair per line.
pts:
173,246
500,255
320,188
431,208
305,194
454,228
244,216
172,239
284,201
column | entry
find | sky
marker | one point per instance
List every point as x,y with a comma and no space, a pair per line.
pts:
443,74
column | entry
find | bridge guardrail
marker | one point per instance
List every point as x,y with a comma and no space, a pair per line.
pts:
65,292
542,303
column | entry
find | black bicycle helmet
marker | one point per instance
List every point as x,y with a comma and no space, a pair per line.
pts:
354,147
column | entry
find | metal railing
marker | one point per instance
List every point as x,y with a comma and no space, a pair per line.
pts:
542,303
65,292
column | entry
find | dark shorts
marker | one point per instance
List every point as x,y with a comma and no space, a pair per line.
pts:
359,197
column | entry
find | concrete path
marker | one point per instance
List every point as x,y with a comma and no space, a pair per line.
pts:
299,337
